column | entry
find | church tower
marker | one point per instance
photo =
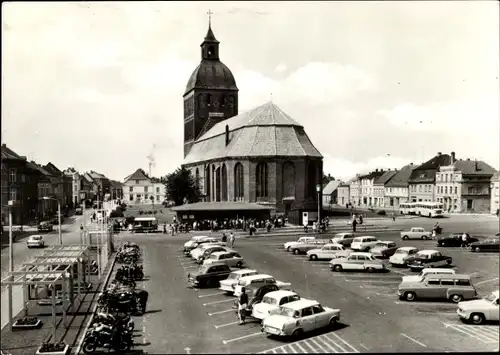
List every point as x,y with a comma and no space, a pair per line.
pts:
211,94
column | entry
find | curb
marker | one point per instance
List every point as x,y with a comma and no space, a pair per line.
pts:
338,231
105,283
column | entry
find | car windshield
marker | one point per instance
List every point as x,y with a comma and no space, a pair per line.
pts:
401,251
202,269
232,276
380,245
422,255
284,311
213,257
269,300
491,297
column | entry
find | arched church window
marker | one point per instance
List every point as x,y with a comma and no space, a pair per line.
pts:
224,183
210,51
239,192
288,182
201,101
197,177
261,180
311,177
209,100
207,183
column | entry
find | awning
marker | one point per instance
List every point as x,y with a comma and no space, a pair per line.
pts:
221,206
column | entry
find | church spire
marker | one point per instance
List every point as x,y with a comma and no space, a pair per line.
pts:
210,45
210,37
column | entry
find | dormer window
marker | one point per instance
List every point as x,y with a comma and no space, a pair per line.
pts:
137,182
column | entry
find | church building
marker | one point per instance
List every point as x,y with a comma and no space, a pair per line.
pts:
261,156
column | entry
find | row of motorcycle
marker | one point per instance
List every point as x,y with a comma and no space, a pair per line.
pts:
113,326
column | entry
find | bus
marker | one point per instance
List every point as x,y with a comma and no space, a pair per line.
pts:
145,225
429,209
407,208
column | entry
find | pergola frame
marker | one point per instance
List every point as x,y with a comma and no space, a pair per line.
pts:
30,274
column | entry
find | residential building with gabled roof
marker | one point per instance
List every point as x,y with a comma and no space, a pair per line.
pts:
422,178
139,188
330,192
396,189
495,193
368,198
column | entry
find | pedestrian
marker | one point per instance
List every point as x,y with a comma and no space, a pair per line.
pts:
224,238
305,227
242,305
360,219
354,222
434,235
165,228
464,241
231,239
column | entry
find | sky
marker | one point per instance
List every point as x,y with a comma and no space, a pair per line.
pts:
98,86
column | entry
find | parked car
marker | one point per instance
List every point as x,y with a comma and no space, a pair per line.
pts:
328,252
363,243
252,279
426,272
427,259
210,250
401,255
230,258
383,249
454,240
455,288
195,242
480,311
197,252
299,317
272,301
288,245
488,244
208,275
416,233
256,293
357,262
35,241
344,239
45,226
229,284
78,211
302,248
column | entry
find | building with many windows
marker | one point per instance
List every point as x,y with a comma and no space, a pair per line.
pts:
369,198
396,189
495,193
422,178
355,191
343,197
379,187
138,188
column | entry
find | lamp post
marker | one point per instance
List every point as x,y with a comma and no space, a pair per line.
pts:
58,215
318,190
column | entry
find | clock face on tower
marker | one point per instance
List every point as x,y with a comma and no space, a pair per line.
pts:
216,103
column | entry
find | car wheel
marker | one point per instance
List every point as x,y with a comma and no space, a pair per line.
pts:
477,249
405,237
456,298
477,318
424,237
239,264
440,244
296,251
448,262
333,322
370,269
297,333
410,296
338,268
313,257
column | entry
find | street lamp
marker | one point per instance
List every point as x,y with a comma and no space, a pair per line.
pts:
58,215
318,190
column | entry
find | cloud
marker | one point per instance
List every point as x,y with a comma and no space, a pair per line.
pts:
281,68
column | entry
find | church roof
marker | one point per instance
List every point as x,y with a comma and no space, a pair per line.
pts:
211,74
210,37
264,131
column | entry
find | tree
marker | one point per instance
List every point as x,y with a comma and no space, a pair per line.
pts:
152,198
180,185
327,179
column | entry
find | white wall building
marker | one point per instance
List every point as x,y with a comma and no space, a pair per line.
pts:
368,194
355,191
495,193
140,189
396,190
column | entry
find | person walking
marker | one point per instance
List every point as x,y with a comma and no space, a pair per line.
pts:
242,305
165,228
434,235
224,238
354,223
305,227
464,241
231,240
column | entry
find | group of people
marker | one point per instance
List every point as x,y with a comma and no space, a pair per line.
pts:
317,227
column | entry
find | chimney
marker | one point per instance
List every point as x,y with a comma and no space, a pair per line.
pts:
411,163
453,157
468,159
476,166
376,170
439,154
4,145
227,135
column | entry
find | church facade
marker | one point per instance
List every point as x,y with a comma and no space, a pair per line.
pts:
260,156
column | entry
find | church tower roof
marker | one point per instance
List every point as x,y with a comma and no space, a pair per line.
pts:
210,37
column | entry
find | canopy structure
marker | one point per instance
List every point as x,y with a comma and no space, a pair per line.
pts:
210,210
54,269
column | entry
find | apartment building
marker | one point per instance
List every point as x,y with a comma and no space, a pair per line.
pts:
138,188
367,188
355,191
343,196
495,193
396,189
422,178
379,187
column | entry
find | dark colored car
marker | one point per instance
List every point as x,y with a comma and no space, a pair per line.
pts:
428,259
454,240
78,211
45,226
256,293
488,244
209,275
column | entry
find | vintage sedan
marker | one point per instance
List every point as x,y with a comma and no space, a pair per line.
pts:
212,249
455,288
428,258
416,233
259,278
480,311
454,240
357,262
383,249
488,244
344,239
35,241
230,258
328,252
45,226
302,248
288,245
197,252
299,317
401,255
233,278
208,275
272,301
193,244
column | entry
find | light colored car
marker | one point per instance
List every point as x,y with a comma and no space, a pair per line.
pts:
383,249
233,278
455,288
194,239
344,239
302,248
364,243
426,272
328,252
416,233
35,241
195,244
230,258
210,250
401,255
197,252
288,245
480,311
299,317
272,301
247,280
357,262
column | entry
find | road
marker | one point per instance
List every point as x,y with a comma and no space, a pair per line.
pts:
70,235
373,319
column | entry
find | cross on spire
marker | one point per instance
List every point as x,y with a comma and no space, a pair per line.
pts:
209,13
271,97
